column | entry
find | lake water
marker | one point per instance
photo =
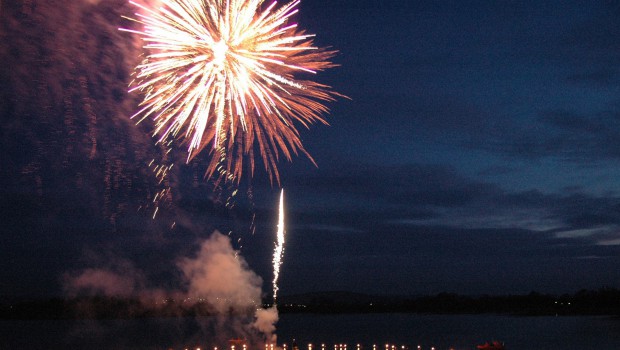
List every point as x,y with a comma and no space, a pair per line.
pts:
459,332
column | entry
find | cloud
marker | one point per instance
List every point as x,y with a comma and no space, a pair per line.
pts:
581,232
329,228
600,236
528,219
609,242
563,135
358,197
603,77
423,193
594,42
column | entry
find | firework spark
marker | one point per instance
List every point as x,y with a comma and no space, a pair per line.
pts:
279,250
226,73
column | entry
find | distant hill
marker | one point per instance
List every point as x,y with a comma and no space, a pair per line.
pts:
333,297
605,301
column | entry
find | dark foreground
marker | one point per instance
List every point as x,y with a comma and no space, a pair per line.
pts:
600,302
443,332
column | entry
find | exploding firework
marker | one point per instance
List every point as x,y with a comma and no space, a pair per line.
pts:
279,250
229,74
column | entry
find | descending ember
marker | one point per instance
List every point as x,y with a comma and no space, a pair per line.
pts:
225,73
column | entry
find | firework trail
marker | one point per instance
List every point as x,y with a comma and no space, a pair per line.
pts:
225,73
279,250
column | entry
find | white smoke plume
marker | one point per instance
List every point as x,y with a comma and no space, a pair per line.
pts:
216,275
119,278
102,281
221,276
265,323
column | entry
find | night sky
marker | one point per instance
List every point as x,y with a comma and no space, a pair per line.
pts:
478,153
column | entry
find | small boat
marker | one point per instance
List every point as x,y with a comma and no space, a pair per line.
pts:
494,345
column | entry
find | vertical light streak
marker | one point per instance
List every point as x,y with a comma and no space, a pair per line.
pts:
279,250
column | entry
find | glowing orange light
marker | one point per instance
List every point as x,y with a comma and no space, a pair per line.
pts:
230,74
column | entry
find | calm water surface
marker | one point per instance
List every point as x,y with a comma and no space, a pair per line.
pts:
459,332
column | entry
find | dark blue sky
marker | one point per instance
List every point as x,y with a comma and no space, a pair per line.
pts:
478,153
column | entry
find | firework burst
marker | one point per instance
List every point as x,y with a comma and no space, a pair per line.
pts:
224,76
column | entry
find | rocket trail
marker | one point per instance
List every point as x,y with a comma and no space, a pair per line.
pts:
279,250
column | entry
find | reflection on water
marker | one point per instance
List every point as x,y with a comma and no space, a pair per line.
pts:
323,332
455,331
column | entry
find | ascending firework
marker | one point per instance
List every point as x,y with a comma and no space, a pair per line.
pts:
279,250
226,73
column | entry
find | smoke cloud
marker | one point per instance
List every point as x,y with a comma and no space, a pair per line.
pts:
65,109
216,275
101,281
221,276
119,277
265,323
